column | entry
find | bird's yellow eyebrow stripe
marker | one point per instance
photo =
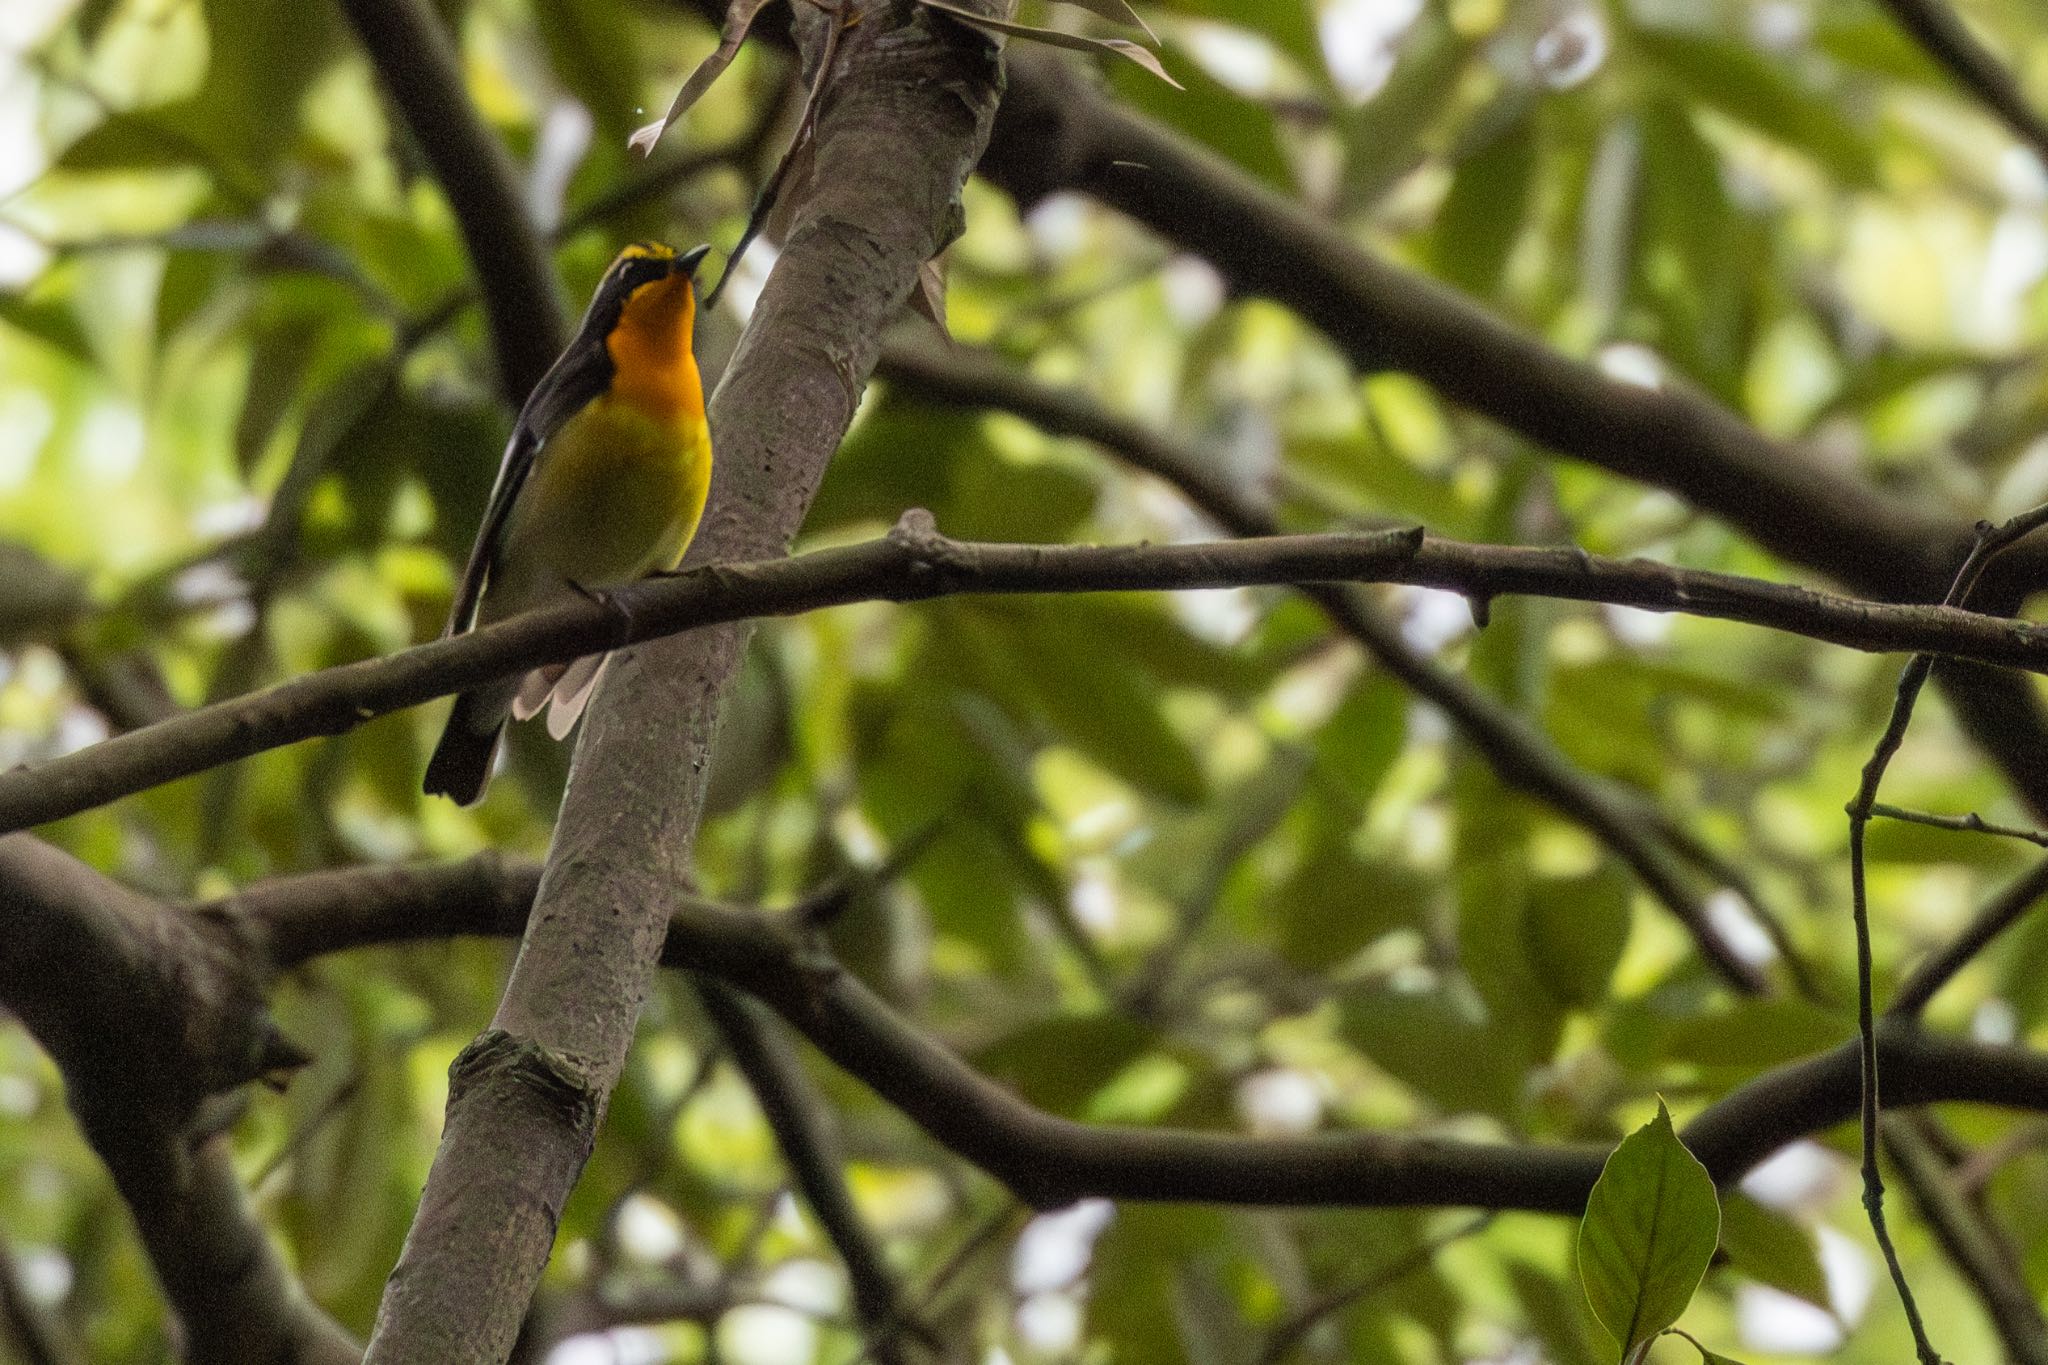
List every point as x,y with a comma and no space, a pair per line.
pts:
648,251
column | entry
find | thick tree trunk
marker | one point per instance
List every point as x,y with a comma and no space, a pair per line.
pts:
906,112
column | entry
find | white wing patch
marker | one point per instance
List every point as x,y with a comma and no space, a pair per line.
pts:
572,693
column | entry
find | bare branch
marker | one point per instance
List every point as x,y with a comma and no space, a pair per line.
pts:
2000,913
418,66
915,563
1057,133
1971,1242
908,117
1049,1162
808,1134
1939,30
1520,754
149,1013
1971,823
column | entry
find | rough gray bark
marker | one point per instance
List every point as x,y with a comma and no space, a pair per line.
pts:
150,1013
906,114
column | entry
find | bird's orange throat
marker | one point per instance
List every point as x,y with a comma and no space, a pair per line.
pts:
653,368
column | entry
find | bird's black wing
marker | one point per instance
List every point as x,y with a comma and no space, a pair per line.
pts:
581,373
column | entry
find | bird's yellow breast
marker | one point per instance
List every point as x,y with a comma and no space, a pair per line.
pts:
615,494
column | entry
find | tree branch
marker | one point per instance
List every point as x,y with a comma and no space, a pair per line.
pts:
1059,133
422,72
1519,753
1969,1240
1049,1162
1056,132
808,1134
909,100
149,1014
1949,42
915,563
2000,913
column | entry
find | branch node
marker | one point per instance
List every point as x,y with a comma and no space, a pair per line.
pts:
546,1075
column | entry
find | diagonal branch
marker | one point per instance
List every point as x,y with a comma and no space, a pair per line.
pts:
2000,913
907,117
419,67
1520,754
1948,40
1057,133
1049,1162
808,1133
1969,1238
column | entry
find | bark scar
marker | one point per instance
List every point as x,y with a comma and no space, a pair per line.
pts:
495,1055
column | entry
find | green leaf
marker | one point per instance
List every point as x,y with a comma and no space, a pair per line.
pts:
591,50
1137,1268
1742,83
1575,930
1059,1064
1082,686
1650,1229
1410,1035
1774,1249
41,600
1359,744
131,142
973,490
1335,903
1555,1312
1386,136
1755,1034
1482,216
52,321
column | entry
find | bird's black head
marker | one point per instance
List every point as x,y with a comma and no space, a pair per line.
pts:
646,262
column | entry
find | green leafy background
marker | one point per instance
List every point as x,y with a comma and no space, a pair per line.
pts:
216,247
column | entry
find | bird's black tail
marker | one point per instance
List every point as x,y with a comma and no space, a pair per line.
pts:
462,760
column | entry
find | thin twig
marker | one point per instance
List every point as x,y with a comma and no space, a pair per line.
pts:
771,192
808,1134
1519,753
1971,1241
1978,1168
1990,541
1008,1214
1970,823
1289,1334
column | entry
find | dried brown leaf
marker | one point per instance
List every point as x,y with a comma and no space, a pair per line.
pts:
929,299
739,17
1117,12
1053,37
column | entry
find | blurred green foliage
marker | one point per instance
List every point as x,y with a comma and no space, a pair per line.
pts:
247,423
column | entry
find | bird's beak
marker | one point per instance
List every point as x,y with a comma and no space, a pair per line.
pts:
688,262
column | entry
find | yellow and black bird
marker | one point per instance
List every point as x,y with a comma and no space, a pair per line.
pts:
603,482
